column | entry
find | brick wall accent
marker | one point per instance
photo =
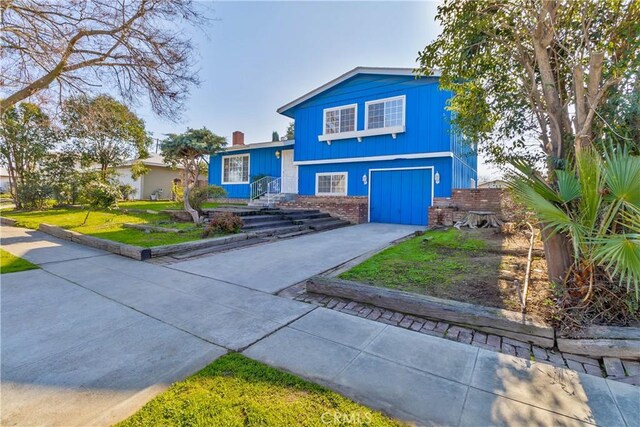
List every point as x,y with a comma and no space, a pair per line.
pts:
447,211
350,208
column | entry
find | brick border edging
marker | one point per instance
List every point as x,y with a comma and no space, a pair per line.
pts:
597,342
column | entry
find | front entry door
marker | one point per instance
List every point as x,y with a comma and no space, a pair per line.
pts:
289,173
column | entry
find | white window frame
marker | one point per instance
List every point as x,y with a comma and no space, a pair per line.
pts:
341,107
248,155
384,100
346,183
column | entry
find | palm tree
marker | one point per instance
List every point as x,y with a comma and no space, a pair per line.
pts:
596,207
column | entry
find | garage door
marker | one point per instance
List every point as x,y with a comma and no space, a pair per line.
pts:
400,196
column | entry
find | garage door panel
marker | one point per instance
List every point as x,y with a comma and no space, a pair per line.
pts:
400,196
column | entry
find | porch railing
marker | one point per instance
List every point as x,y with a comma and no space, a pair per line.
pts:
274,187
267,185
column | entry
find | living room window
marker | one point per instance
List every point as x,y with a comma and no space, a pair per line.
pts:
235,169
385,113
331,184
340,119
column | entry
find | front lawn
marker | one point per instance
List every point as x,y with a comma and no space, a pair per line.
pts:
10,263
159,205
109,225
237,391
464,265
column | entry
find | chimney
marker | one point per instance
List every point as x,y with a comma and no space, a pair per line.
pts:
237,138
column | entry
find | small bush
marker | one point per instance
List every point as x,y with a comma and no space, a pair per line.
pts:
101,195
200,195
35,194
223,222
126,191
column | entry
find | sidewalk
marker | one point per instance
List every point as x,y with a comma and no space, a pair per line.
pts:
91,337
434,381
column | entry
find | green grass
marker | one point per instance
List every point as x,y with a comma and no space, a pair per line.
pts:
237,391
432,264
10,263
159,205
108,225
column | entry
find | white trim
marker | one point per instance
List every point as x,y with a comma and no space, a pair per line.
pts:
358,70
396,169
248,169
362,133
378,101
339,108
376,158
282,171
257,145
346,183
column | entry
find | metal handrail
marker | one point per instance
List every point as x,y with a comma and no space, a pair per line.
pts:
260,186
273,187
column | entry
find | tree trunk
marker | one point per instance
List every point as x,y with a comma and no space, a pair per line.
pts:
185,196
557,250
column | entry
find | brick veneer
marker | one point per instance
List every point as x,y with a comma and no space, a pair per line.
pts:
447,211
350,208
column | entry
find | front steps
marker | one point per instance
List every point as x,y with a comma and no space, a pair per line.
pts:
271,201
284,222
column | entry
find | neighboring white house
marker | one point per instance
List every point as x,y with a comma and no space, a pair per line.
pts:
4,180
158,181
496,183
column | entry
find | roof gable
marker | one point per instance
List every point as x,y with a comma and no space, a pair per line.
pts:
285,109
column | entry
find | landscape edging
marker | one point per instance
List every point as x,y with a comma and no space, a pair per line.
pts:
594,341
492,320
157,251
7,221
136,252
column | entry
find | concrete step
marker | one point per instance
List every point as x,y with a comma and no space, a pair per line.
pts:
303,216
258,204
329,225
255,219
295,211
296,233
219,248
267,224
279,230
311,221
236,211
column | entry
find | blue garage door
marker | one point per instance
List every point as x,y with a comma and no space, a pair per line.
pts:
400,196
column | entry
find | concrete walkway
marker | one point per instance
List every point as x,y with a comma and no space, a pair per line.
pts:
92,336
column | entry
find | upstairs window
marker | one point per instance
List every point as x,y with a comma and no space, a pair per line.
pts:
385,113
340,119
235,169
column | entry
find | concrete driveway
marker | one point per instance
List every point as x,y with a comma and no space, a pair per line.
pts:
92,336
275,266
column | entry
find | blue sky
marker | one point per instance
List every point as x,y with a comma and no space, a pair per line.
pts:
257,56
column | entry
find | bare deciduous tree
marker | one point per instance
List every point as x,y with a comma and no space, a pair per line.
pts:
67,47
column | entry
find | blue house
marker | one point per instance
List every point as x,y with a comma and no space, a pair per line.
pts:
376,137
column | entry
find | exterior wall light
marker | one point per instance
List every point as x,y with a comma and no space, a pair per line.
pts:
364,179
277,154
436,178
